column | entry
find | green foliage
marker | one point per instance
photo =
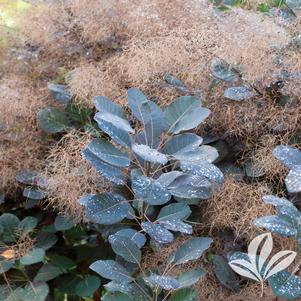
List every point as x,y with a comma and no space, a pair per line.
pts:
67,116
150,169
29,266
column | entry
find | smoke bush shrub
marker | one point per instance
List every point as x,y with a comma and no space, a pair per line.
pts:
157,168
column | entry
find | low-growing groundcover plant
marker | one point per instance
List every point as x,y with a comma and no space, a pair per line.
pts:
157,169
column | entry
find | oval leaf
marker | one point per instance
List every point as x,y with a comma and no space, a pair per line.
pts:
107,209
112,270
192,249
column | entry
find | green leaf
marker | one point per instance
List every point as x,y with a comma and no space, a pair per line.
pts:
125,248
149,114
52,120
107,209
184,294
275,224
185,113
111,173
293,180
5,266
138,238
28,223
157,232
117,297
264,7
165,282
192,249
238,93
191,277
87,286
174,81
189,186
47,272
289,156
108,153
104,104
60,93
149,154
177,225
112,270
34,256
175,211
33,193
150,190
254,170
224,273
285,285
63,223
205,170
222,70
46,240
62,262
182,143
136,99
202,154
33,291
28,177
293,4
9,223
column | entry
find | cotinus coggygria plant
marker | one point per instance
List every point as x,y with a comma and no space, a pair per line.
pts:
157,169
